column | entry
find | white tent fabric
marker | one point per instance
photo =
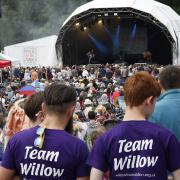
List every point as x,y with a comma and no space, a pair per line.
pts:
38,52
166,15
12,59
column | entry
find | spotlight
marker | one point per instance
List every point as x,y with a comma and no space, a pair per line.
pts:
115,14
100,21
106,14
99,15
85,28
77,24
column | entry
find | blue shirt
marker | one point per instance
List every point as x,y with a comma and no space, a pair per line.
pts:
167,111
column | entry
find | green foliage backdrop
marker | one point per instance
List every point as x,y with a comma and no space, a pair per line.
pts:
24,20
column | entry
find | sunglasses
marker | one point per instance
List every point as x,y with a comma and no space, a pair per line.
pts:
38,142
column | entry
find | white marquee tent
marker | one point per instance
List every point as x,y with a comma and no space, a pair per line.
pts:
161,13
39,52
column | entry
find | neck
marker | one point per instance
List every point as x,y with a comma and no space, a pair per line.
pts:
133,114
36,123
54,122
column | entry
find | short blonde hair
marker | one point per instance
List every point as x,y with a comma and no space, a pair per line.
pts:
100,109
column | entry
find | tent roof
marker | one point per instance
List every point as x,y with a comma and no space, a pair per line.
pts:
8,58
4,61
161,12
36,42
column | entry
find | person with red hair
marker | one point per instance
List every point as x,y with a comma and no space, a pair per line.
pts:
137,148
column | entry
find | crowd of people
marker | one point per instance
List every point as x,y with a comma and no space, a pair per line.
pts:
107,110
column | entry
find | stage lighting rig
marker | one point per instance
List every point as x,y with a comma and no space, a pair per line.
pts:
100,21
77,24
106,14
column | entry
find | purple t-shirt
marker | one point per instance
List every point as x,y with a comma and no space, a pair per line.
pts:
136,150
62,157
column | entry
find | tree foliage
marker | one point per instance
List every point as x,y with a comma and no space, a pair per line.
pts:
24,20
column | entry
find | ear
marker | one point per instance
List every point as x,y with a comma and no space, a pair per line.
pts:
71,110
43,106
150,100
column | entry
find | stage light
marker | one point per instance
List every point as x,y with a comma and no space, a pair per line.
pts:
85,28
134,30
99,15
77,24
100,21
115,14
106,14
99,45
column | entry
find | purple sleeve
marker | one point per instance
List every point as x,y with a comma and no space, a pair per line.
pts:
97,157
172,154
83,169
8,157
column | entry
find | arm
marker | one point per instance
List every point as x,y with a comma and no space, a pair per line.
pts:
83,178
176,175
6,174
96,174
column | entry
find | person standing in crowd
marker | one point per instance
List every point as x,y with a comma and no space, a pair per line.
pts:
49,75
136,148
5,75
167,109
85,72
16,72
32,109
124,72
115,96
15,121
27,75
34,75
109,72
92,125
74,72
48,151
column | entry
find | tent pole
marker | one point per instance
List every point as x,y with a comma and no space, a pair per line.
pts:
1,75
11,74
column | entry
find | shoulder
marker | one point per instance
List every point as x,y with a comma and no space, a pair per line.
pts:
74,140
156,127
78,147
19,138
25,133
111,134
121,129
161,132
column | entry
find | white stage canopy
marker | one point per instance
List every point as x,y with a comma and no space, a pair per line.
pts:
164,16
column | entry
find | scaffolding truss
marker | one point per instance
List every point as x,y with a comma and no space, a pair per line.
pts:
122,12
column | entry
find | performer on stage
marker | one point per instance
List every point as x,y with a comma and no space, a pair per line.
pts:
90,55
147,55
